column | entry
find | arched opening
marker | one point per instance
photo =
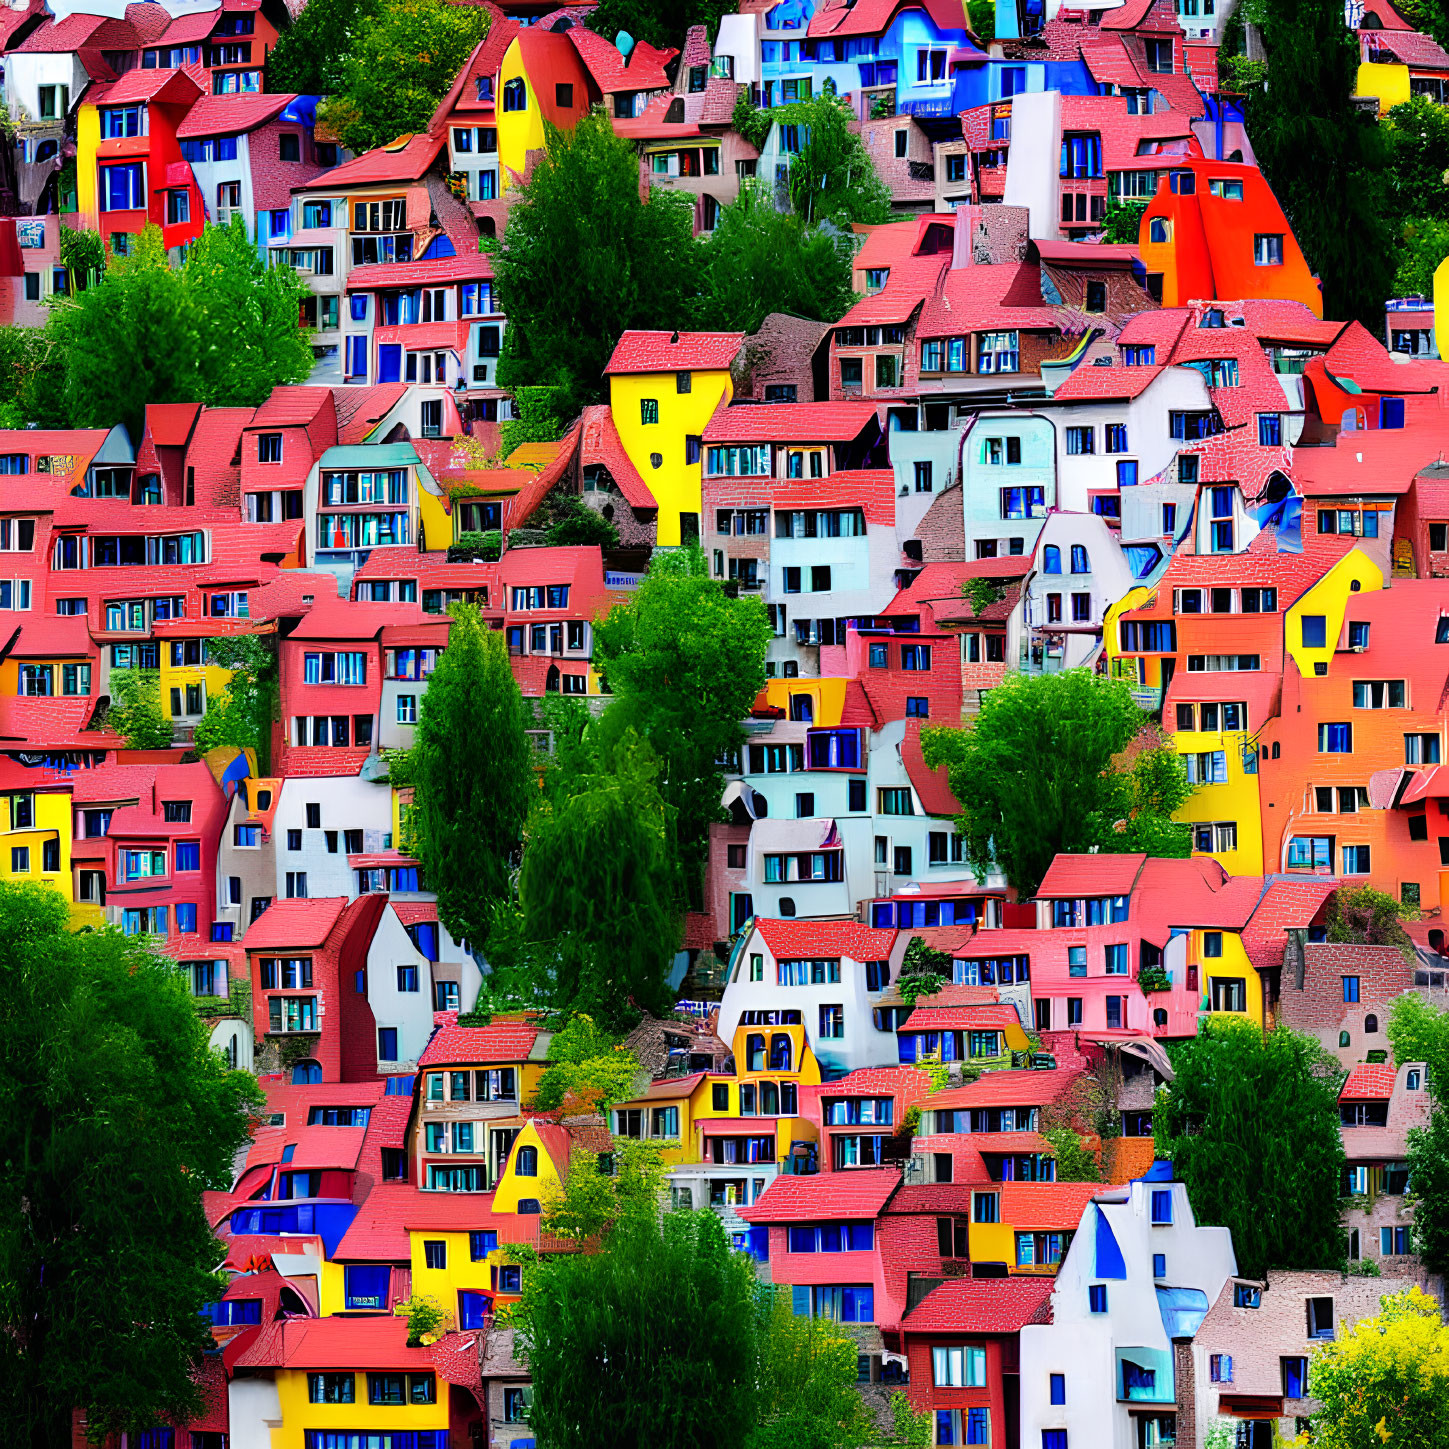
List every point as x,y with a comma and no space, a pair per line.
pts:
527,1165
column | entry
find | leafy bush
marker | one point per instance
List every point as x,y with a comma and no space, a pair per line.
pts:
471,544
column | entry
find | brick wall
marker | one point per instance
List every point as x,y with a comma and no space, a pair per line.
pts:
1318,1007
942,531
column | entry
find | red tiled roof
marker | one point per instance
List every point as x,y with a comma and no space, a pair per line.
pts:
337,1342
406,162
980,1017
1371,1081
599,443
642,70
463,267
674,351
981,1305
931,785
77,30
792,1199
502,1040
1008,1089
872,488
1091,875
806,939
174,86
822,422
1089,383
285,924
985,297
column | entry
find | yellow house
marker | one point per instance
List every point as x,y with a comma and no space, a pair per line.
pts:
669,1113
1354,573
1225,814
189,679
357,1374
663,389
827,697
1025,1225
541,79
1388,83
36,847
536,1168
1229,982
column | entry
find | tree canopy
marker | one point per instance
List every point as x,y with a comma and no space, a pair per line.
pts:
760,259
1250,1123
115,1116
311,53
685,662
665,1337
1419,1032
400,58
471,768
137,713
1035,775
832,176
631,262
222,330
242,715
1388,1370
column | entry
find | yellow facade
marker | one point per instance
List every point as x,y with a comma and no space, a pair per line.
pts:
331,1289
435,523
87,143
512,1187
1232,965
1441,307
675,483
299,1414
519,132
1236,800
694,1105
1354,573
459,1273
212,677
1388,83
50,819
828,696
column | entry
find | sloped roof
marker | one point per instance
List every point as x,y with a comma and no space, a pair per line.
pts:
227,115
981,1305
1091,875
1023,1088
791,1199
398,162
674,351
1369,1081
820,422
285,924
790,939
504,1039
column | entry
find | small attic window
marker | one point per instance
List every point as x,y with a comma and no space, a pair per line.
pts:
674,116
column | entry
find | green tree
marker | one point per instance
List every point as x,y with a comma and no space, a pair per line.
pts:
751,121
1419,1032
1075,1160
832,176
1035,775
132,340
573,523
1385,1380
83,254
599,885
242,715
471,767
402,57
1363,916
685,663
311,53
245,313
1428,1158
536,418
981,15
1123,222
760,260
590,1201
1250,1124
1416,136
632,262
588,1070
115,1116
1325,161
808,1394
136,712
1425,245
652,1340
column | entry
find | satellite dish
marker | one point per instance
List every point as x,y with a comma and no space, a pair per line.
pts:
624,43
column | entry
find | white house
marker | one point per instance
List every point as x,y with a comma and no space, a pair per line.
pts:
1140,1276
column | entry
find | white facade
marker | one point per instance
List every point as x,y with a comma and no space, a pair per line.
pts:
1113,1266
1036,133
401,988
862,1044
1077,538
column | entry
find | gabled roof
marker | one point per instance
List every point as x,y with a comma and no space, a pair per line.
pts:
674,351
402,161
505,1039
822,422
228,115
301,923
824,1195
641,70
932,786
76,30
985,297
1008,1089
175,87
819,939
1091,875
981,1305
982,1017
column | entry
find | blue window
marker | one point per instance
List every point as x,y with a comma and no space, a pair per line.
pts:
1116,958
407,978
387,1043
1051,559
481,1244
188,855
1159,1265
1013,80
1127,472
473,1309
365,1285
1081,564
1350,988
1059,1388
122,188
1295,1372
978,1426
1391,412
1315,631
1270,429
1053,1439
356,356
1162,1206
1335,739
186,920
1097,1297
1140,356
359,306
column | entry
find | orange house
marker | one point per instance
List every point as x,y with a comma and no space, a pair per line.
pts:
1215,231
